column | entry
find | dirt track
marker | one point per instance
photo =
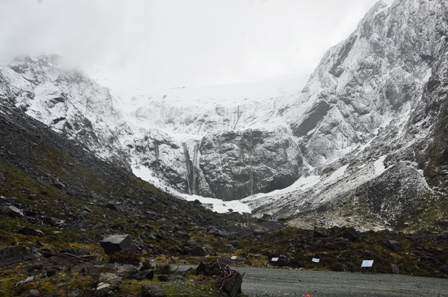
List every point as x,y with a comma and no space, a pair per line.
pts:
259,282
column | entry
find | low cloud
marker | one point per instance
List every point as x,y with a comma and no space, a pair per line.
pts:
162,43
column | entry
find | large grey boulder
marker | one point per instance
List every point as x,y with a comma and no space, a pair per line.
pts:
116,243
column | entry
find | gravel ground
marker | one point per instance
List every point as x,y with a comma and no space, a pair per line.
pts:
259,282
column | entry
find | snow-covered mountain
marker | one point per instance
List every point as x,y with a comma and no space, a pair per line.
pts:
68,101
362,143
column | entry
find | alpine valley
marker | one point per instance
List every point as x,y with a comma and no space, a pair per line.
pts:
363,143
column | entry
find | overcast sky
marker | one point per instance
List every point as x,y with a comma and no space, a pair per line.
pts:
173,43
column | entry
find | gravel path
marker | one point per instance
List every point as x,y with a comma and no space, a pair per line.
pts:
259,282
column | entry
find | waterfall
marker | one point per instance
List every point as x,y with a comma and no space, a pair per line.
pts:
189,176
251,167
156,151
195,167
192,168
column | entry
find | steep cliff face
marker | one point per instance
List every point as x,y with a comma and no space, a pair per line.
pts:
252,160
373,80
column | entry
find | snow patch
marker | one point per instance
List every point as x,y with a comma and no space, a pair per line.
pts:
428,75
379,165
337,174
216,205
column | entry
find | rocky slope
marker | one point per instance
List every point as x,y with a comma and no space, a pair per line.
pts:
363,143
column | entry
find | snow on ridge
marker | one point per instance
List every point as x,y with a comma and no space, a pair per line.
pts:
226,95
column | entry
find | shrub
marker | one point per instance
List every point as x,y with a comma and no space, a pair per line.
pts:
125,256
146,264
164,269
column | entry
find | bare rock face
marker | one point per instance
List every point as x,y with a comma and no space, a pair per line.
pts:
239,164
378,74
227,165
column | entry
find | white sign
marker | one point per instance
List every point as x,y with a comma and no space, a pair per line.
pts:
315,260
367,263
275,259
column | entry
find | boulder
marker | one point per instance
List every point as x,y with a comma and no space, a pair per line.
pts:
259,232
37,266
199,251
444,268
182,235
393,245
112,206
25,281
31,231
338,267
321,232
33,293
58,184
107,282
145,274
350,233
222,233
201,269
232,287
127,270
395,269
87,268
12,211
55,222
116,243
150,290
283,260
